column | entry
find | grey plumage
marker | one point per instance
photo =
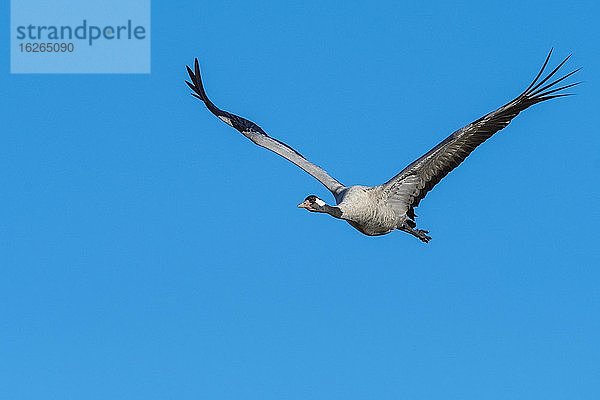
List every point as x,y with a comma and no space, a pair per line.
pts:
378,210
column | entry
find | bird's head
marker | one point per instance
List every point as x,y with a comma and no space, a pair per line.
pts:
314,204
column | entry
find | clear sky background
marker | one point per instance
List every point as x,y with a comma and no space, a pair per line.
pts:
148,251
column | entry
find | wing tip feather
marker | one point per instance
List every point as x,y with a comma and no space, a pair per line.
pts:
537,91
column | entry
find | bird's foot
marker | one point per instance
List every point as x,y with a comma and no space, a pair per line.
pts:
422,235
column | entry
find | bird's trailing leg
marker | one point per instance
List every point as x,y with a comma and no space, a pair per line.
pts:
418,233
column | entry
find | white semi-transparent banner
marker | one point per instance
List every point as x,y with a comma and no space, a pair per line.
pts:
80,36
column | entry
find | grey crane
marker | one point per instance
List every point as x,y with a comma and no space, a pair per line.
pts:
379,210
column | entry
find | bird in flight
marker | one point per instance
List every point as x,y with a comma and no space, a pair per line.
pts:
379,210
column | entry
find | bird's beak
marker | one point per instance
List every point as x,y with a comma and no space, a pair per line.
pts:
304,204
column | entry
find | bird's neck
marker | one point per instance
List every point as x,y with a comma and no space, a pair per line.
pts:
333,211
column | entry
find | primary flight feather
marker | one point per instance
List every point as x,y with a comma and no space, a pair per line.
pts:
378,210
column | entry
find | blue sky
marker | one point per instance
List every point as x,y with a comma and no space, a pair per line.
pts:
148,251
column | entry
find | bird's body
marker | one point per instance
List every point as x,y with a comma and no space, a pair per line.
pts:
365,209
378,210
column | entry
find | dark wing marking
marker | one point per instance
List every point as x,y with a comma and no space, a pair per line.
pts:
411,185
256,134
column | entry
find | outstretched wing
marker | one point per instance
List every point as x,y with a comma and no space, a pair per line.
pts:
410,186
258,136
